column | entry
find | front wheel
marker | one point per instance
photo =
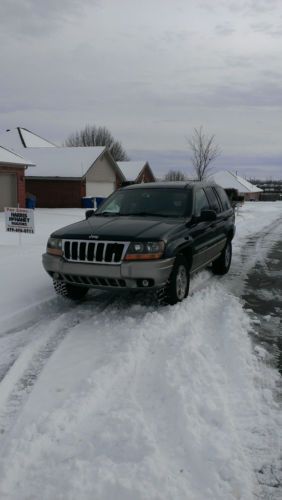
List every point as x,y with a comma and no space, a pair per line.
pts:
222,264
177,287
69,291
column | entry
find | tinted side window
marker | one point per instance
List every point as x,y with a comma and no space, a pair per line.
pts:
223,198
214,203
201,202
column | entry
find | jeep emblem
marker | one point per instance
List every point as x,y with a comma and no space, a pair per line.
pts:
93,236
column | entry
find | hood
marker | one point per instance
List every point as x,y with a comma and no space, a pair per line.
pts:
121,228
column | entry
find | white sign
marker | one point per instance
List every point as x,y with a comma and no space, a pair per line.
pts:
19,220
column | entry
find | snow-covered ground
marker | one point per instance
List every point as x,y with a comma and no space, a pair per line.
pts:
118,399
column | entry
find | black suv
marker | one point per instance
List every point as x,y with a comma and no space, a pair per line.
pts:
144,237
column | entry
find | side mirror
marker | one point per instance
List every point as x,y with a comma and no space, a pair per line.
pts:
89,213
208,215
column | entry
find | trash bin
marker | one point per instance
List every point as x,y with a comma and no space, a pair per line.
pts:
99,200
30,201
87,202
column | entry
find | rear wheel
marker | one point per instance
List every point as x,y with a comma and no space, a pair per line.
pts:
69,291
222,264
177,287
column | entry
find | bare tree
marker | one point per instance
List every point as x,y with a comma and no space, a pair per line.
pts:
174,175
98,136
204,151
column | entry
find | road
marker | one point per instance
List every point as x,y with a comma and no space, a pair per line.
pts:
263,295
263,299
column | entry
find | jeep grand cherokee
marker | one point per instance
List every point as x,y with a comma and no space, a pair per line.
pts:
144,237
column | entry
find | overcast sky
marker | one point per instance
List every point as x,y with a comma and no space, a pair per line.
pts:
150,71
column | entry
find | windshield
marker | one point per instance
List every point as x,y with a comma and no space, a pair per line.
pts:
159,202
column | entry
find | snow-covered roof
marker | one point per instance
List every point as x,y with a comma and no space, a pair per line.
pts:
131,169
71,162
7,157
32,140
20,138
227,179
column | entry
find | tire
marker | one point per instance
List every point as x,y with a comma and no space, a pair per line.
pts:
222,264
177,287
69,291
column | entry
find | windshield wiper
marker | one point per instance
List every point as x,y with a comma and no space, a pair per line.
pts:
143,214
135,214
107,214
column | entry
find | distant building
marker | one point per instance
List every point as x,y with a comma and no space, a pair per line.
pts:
137,171
272,189
12,179
228,180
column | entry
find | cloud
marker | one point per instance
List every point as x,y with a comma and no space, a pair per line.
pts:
271,29
249,94
33,18
272,74
261,6
249,7
224,29
258,94
239,61
175,37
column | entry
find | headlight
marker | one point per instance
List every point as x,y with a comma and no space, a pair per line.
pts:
55,246
148,250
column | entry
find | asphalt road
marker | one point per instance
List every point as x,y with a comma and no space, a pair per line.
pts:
263,295
263,299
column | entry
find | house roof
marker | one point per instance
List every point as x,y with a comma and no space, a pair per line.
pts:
131,169
7,157
66,162
227,179
20,138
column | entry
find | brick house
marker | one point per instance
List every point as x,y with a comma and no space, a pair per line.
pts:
65,175
12,179
137,171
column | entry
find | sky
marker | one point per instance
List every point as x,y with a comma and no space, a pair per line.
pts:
151,72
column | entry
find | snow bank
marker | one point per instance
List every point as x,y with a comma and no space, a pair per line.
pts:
24,283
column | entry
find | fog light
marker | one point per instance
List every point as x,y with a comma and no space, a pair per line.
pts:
56,276
145,283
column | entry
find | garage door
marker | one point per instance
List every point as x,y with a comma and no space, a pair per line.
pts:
8,190
99,188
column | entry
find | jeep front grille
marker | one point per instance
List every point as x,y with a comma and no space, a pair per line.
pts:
98,252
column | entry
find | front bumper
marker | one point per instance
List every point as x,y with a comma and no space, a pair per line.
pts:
128,275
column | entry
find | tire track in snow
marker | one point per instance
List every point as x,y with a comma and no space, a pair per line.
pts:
34,314
22,375
15,340
254,249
